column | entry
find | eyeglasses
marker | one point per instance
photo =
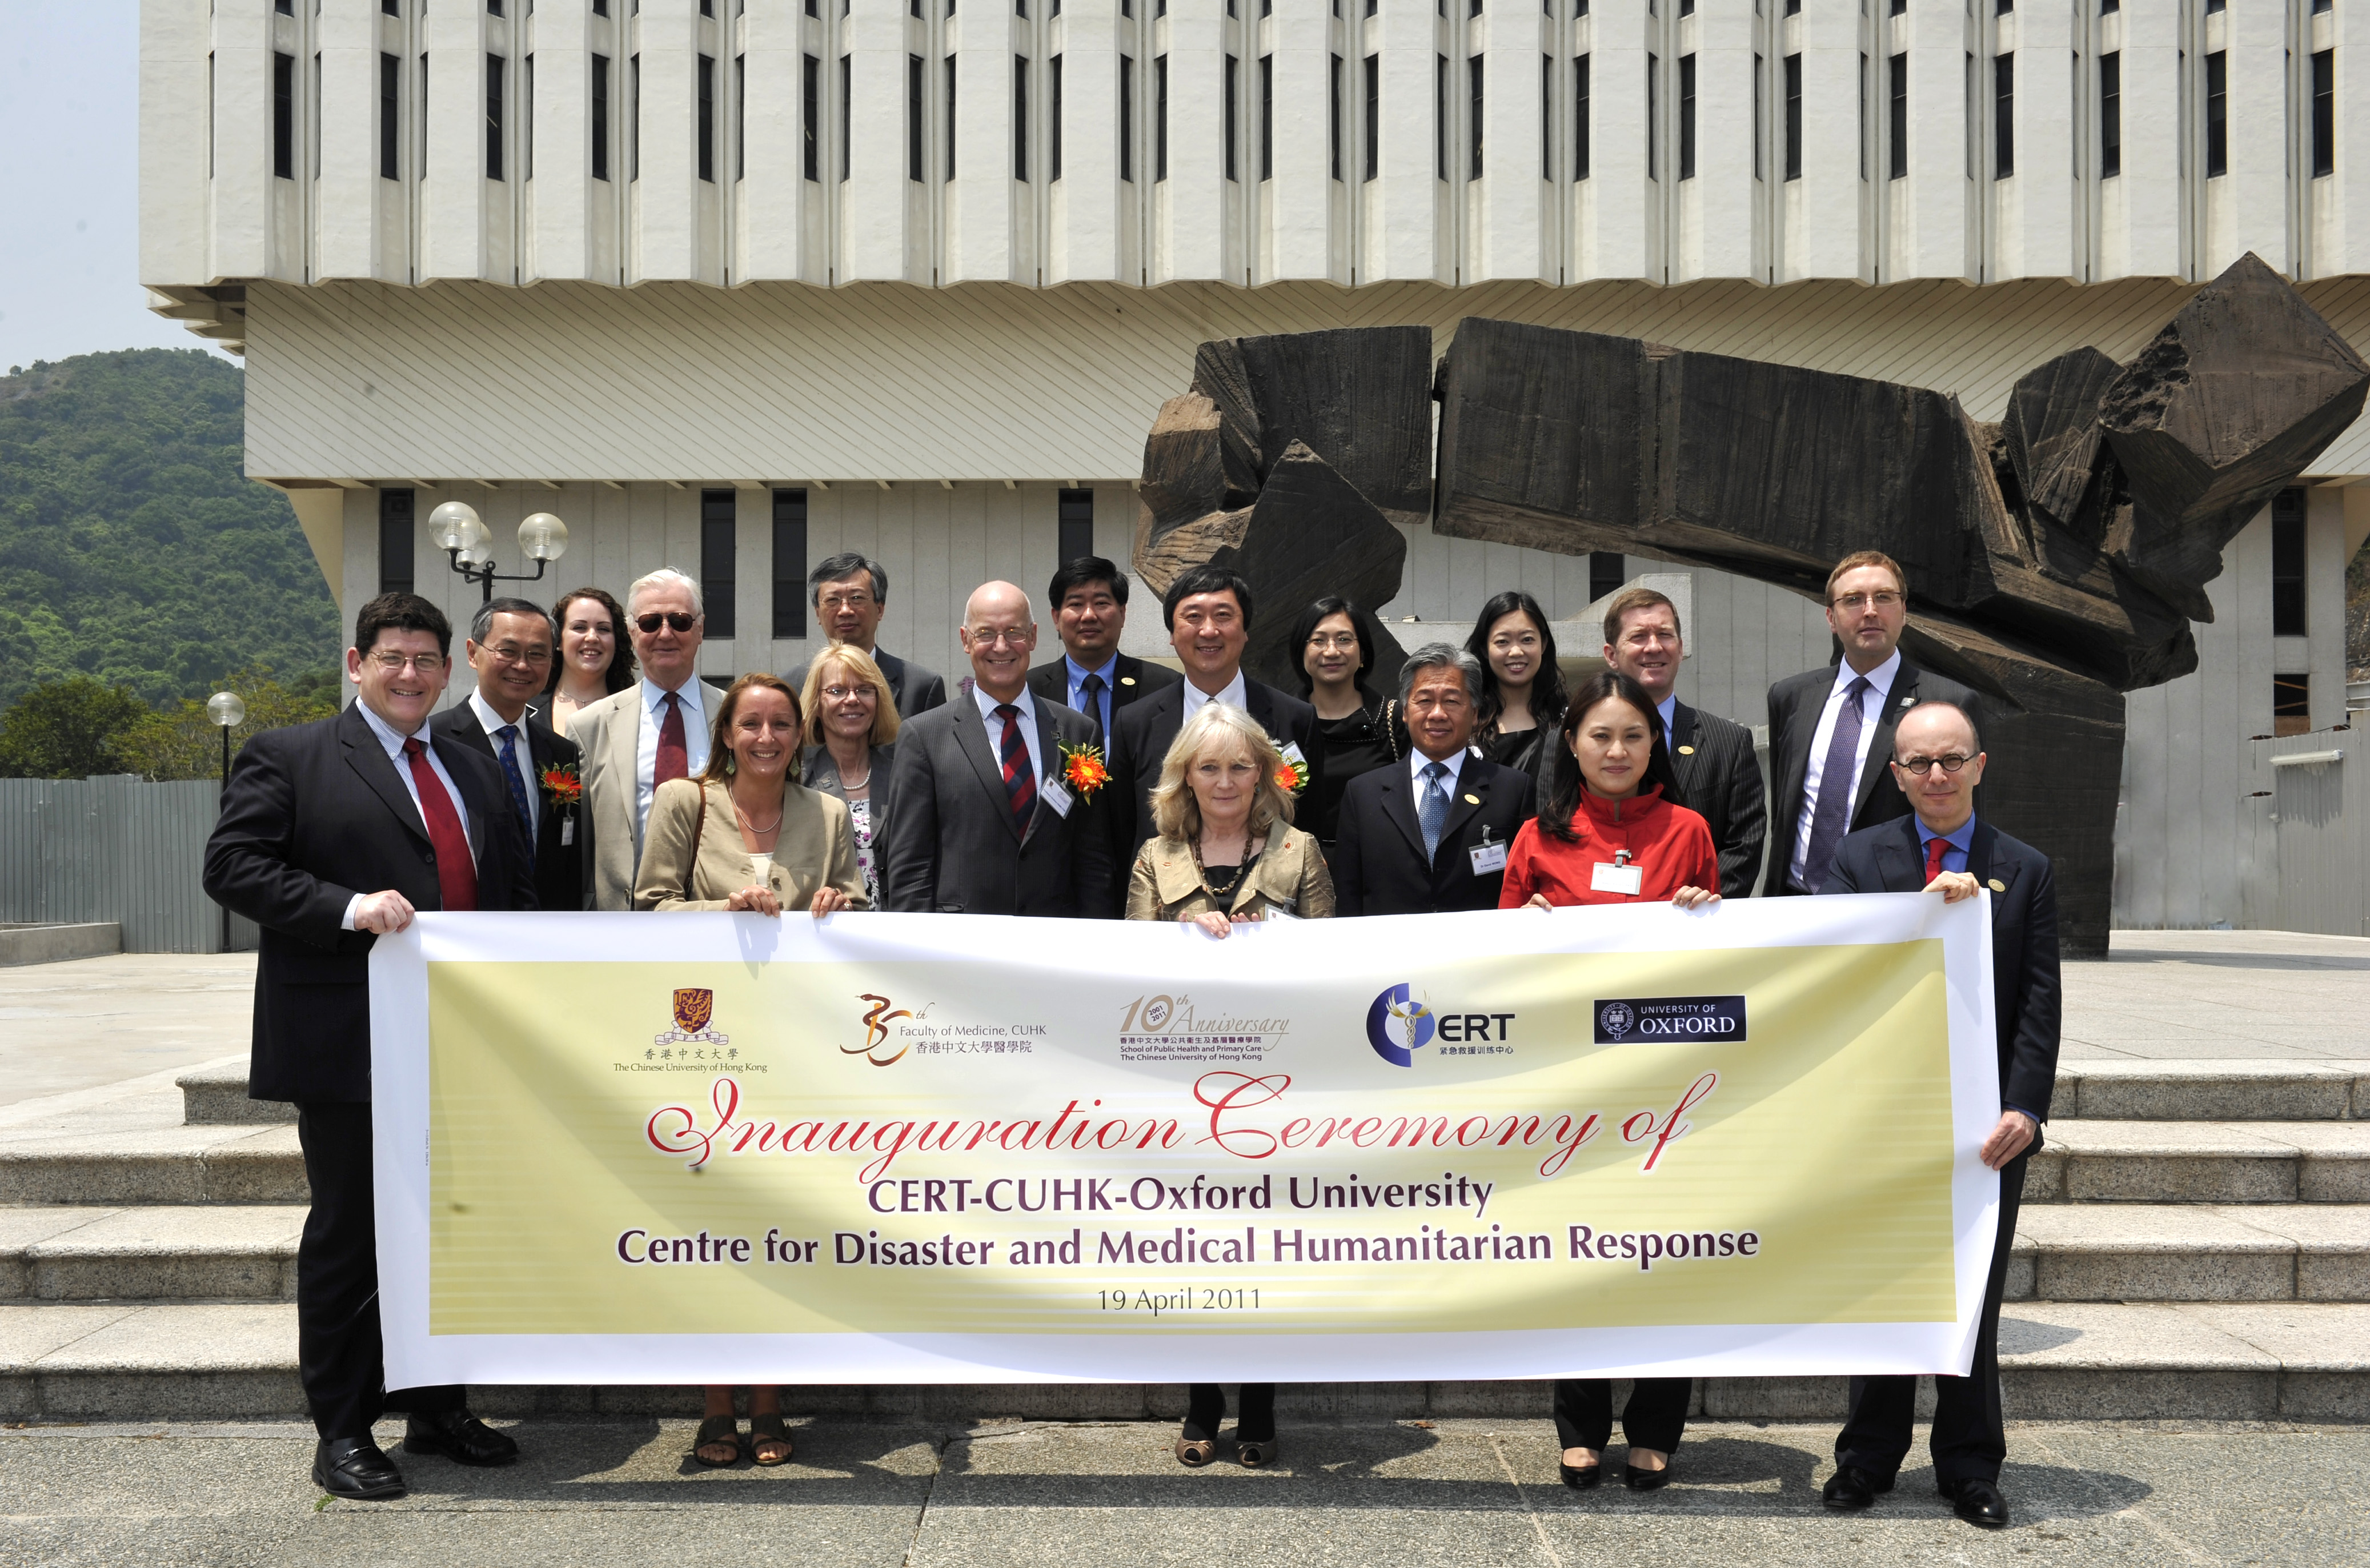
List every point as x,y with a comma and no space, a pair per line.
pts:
674,618
1014,636
1852,603
388,660
855,600
1921,765
842,693
512,653
1345,641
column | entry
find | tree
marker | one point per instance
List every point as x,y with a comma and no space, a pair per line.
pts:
182,741
68,729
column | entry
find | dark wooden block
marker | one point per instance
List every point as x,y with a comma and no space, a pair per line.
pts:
1359,396
2054,439
1190,468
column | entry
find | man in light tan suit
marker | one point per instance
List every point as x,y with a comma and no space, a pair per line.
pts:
655,730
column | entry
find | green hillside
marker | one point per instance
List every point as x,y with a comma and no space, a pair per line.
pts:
133,548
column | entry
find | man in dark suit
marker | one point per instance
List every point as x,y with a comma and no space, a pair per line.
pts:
1431,833
1712,757
980,819
330,836
1825,725
510,650
1208,610
1943,846
1089,601
851,594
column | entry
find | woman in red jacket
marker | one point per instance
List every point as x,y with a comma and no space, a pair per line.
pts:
1608,834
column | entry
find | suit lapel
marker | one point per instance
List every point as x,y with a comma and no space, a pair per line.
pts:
620,741
1464,796
1048,749
1682,763
1899,859
970,734
1880,744
1399,804
369,759
892,670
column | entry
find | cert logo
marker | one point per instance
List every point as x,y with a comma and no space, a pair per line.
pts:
1397,1025
1631,1021
695,1008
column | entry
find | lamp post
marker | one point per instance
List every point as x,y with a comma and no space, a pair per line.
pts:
455,528
227,712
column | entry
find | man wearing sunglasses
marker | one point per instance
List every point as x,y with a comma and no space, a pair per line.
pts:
1943,846
637,739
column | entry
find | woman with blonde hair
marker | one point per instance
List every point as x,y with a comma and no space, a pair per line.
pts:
851,733
1226,852
746,836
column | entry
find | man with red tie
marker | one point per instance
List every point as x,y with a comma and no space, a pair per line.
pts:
332,835
654,730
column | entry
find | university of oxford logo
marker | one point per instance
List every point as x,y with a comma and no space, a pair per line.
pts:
695,1006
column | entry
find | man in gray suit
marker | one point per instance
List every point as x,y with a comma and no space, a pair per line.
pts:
851,594
1712,756
980,819
655,730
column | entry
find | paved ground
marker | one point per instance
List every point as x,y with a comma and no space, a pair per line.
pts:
100,1021
1458,1493
2201,993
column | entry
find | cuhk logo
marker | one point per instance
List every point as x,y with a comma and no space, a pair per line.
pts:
1398,1026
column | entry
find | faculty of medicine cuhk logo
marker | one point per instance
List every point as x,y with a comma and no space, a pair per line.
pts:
1398,1026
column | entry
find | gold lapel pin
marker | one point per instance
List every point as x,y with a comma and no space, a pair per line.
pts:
1998,886
1472,800
1686,751
1127,680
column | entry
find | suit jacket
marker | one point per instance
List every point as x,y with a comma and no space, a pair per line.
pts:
1289,878
821,772
1795,705
610,732
954,847
2026,993
1132,681
1378,864
559,868
696,858
1149,727
314,814
1720,781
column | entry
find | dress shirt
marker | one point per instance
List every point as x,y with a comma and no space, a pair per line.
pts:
1669,708
1418,762
1101,711
646,750
492,722
1235,695
1027,703
1871,708
1961,839
392,739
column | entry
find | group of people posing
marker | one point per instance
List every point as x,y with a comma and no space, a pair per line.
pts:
592,768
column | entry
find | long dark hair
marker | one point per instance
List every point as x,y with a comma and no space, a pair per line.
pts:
1304,627
1548,699
1564,782
620,673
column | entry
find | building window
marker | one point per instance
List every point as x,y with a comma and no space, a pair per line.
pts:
1793,117
1127,117
1758,92
495,66
2291,705
285,8
1374,116
390,8
1898,128
2324,110
1439,117
2110,115
706,150
634,119
1473,82
1580,116
718,546
915,149
526,119
1653,118
1546,117
2106,7
394,541
950,117
2003,116
810,116
1863,117
740,116
846,103
1267,117
1334,125
1020,116
1053,122
1686,117
600,117
1074,525
494,7
2287,564
1160,118
1607,570
1232,110
790,563
283,116
391,116
2217,114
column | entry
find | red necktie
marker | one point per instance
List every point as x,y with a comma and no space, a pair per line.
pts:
1934,849
1020,780
674,761
457,872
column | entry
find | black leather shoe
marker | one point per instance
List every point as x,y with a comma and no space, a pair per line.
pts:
354,1468
1979,1502
459,1437
1637,1480
1851,1489
1581,1478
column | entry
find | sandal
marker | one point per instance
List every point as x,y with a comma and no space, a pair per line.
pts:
1195,1452
1253,1452
769,1428
715,1433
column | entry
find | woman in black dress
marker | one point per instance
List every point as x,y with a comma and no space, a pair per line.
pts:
1522,688
1357,731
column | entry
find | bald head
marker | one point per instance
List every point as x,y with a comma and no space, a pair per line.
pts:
1930,739
1002,602
1933,728
999,633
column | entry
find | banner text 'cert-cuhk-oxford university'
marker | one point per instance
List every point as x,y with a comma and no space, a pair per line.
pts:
695,1149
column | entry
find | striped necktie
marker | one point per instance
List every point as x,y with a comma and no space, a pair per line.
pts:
1019,779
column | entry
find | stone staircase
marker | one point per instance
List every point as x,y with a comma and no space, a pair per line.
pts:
2195,1243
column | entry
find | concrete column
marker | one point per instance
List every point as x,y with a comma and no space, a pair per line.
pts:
560,197
1195,206
1930,206
2262,126
874,213
2147,241
1722,226
979,207
1621,232
1835,241
242,237
1510,208
175,120
345,214
1299,205
1404,212
2035,207
663,208
452,186
1085,242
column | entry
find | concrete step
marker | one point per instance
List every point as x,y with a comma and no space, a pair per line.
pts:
2202,1162
215,1095
92,1165
2130,1089
2060,1361
231,1252
2192,1252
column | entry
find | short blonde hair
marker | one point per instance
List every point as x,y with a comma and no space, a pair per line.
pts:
857,662
1176,813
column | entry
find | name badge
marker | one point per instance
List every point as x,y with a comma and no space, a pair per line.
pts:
1487,857
1293,754
1058,795
1610,877
567,831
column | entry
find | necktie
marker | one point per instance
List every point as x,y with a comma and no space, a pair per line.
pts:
1019,780
1433,810
1934,849
1831,819
515,779
1091,689
673,761
456,873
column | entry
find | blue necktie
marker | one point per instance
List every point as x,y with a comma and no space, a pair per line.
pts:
1433,810
512,777
1091,692
1831,818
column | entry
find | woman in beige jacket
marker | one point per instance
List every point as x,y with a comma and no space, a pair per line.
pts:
1227,854
745,835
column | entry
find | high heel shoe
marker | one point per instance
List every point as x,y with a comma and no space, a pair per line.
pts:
1637,1480
1581,1478
1252,1453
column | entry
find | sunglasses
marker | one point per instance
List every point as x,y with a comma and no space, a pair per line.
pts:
674,618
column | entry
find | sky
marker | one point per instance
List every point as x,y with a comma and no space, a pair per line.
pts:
70,182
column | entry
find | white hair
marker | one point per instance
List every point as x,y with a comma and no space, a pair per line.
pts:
664,577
